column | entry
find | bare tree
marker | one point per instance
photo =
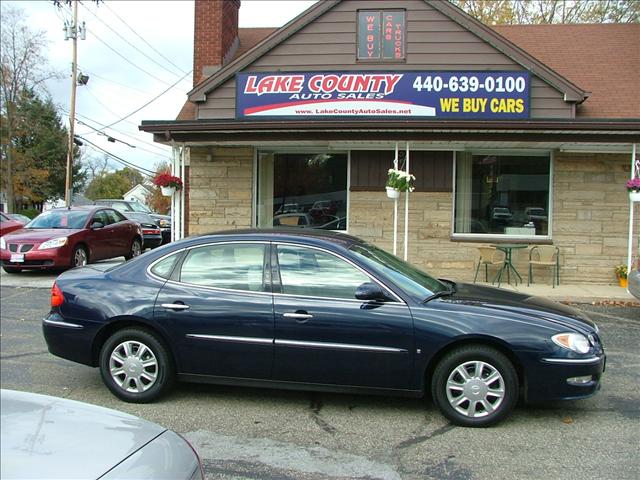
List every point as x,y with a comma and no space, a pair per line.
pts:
24,67
500,12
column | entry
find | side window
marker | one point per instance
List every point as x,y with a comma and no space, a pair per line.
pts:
164,267
231,266
310,272
115,217
101,216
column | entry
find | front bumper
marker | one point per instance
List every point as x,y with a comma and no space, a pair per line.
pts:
151,241
38,259
555,378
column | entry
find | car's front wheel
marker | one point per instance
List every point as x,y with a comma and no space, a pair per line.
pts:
475,386
136,365
135,250
80,257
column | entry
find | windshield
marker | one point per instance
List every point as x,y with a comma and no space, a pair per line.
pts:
138,207
60,219
415,282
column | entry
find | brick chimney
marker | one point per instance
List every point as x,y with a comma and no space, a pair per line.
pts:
215,36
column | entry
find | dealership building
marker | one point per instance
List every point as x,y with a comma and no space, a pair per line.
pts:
522,134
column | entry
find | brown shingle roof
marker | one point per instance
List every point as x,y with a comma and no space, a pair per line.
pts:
603,59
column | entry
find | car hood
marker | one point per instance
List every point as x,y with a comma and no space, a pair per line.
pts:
518,303
38,235
49,437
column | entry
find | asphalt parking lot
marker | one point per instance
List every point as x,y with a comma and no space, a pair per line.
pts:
247,433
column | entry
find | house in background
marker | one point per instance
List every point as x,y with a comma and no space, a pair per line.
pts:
139,193
516,134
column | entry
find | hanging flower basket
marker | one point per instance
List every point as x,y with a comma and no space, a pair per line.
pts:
167,191
633,187
392,192
168,183
398,181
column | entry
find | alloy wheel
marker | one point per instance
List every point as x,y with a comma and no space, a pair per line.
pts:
475,389
133,366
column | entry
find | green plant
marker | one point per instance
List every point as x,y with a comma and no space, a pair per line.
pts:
400,180
621,271
29,212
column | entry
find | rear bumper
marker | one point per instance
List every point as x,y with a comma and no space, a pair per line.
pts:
564,379
70,340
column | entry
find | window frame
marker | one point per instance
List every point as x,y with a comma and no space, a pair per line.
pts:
174,277
496,237
277,280
257,151
381,60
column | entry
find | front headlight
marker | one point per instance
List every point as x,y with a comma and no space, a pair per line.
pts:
54,243
165,223
572,341
3,244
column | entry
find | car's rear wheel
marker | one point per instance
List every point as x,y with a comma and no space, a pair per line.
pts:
135,250
136,365
475,386
11,269
80,257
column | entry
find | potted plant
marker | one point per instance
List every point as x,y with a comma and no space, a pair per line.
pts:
168,183
621,273
633,187
398,181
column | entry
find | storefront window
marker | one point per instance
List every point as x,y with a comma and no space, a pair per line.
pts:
306,190
502,194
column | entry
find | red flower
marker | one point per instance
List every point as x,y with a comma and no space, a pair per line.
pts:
165,179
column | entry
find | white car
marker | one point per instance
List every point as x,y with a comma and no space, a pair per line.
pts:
54,438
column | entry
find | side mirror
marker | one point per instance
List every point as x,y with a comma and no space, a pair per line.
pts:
96,225
370,291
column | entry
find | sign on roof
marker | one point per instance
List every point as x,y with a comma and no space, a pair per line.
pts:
438,95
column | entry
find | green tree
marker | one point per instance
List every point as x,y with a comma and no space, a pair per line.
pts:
113,184
40,148
23,67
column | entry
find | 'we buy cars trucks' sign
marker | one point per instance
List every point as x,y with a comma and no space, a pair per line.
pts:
437,95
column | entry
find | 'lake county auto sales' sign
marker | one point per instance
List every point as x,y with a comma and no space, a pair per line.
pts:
446,95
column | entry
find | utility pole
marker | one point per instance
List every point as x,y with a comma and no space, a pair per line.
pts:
71,31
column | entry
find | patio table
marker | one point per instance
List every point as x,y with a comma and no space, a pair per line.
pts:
508,266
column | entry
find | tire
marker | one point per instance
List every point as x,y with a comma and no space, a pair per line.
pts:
139,352
80,257
135,250
475,386
11,269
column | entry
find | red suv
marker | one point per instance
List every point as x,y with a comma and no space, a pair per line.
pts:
70,237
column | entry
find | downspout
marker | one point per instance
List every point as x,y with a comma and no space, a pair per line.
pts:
635,173
406,207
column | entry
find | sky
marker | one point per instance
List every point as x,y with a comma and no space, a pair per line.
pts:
133,52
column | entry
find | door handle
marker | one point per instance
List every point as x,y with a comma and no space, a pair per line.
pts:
298,316
175,306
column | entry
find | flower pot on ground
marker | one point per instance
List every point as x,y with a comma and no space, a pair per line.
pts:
392,192
623,282
621,273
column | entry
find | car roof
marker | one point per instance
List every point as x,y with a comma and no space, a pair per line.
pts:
289,233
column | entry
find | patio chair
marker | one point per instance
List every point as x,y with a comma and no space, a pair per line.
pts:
489,256
545,256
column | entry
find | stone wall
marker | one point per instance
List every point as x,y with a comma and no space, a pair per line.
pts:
590,224
590,215
221,186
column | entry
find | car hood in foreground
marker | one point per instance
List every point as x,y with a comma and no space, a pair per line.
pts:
38,235
513,303
48,437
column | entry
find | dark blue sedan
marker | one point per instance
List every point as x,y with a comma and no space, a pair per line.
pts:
317,310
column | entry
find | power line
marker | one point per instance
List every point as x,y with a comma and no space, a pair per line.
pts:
131,44
93,74
119,159
141,38
149,102
126,59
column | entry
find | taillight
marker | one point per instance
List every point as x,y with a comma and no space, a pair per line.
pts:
57,298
